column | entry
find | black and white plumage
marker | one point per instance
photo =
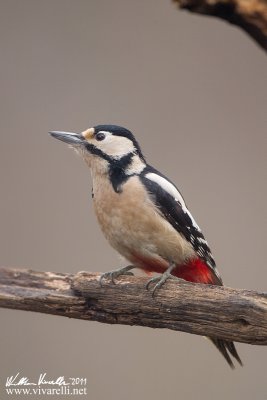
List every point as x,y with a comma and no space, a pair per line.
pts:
142,213
173,207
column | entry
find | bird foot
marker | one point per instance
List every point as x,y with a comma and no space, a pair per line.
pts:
116,273
160,280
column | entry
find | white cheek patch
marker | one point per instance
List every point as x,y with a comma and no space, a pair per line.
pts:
171,189
115,146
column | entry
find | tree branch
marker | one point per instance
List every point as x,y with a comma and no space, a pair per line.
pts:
250,15
233,314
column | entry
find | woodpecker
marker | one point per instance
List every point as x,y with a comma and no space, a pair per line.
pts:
143,215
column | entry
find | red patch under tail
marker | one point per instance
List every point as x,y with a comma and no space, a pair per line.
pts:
197,271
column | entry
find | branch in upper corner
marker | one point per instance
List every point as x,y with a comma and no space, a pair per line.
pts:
231,314
249,15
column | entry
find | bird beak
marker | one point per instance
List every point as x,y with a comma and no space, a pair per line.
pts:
73,139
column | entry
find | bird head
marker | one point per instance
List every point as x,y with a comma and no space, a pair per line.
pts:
103,145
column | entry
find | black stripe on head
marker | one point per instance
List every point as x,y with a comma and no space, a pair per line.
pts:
116,167
94,150
120,131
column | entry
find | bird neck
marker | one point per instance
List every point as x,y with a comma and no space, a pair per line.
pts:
118,170
122,169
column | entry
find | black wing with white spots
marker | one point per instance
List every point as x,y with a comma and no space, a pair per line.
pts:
171,204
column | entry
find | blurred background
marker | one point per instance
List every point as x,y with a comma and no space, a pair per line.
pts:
193,91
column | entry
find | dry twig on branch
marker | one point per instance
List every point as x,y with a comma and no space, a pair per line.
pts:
250,15
232,314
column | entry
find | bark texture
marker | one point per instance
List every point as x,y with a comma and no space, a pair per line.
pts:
250,15
232,314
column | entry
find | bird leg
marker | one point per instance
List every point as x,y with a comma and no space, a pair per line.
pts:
115,273
162,278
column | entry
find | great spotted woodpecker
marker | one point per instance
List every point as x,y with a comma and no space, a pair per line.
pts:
143,215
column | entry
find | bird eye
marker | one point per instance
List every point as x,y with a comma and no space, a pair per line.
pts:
100,136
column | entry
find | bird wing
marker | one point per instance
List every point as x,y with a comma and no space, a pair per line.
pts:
172,206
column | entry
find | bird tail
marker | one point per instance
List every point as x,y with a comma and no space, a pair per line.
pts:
199,272
227,349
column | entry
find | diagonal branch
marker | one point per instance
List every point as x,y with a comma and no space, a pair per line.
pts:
233,314
250,15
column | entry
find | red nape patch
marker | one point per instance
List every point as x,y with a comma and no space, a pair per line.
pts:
196,271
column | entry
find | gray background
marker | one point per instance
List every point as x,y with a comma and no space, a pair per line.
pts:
193,90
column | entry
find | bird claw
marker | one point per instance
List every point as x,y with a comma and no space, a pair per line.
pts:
115,274
160,281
